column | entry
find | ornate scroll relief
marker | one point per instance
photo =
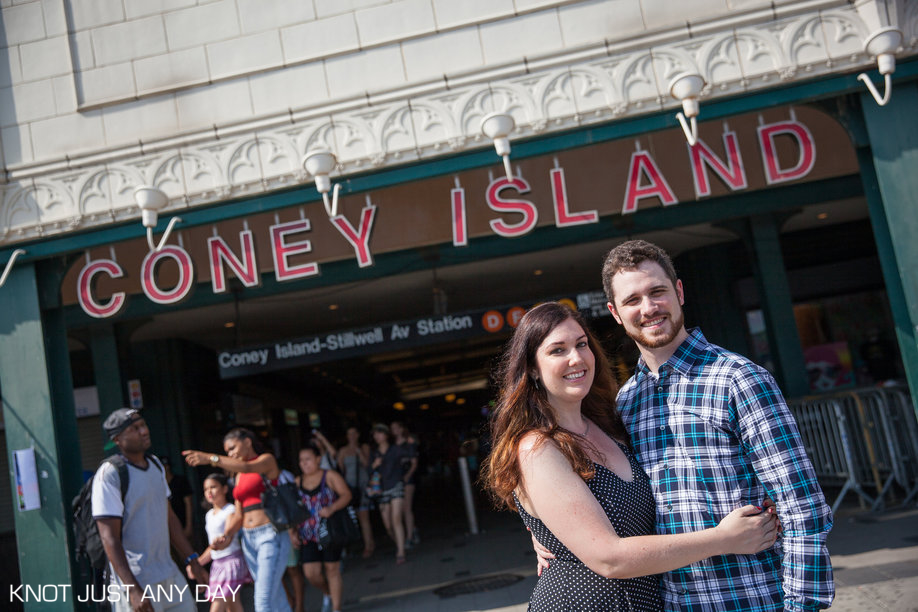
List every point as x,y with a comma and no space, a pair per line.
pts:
430,120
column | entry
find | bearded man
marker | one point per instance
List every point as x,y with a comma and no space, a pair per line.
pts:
713,433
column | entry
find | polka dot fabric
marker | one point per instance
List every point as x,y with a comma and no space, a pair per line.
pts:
568,584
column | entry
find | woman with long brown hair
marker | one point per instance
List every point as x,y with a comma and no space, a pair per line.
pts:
266,550
561,458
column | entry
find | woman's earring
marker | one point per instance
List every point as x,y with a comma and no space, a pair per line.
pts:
535,381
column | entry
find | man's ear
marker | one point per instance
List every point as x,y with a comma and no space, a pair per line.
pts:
614,312
679,292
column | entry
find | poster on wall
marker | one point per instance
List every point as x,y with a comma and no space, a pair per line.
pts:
86,401
27,496
829,366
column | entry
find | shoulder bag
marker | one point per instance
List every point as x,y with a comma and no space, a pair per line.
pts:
283,505
340,529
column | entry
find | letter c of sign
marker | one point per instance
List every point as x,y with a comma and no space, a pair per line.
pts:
84,289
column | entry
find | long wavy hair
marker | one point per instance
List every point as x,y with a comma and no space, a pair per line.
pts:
523,405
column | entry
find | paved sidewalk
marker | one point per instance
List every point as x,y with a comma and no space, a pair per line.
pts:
875,560
875,557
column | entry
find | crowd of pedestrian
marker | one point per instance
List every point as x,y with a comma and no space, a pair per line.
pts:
243,546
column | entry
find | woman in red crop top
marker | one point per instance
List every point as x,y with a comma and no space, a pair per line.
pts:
266,550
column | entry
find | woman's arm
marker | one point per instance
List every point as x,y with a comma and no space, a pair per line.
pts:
339,486
376,459
556,495
326,445
412,468
264,464
232,526
204,559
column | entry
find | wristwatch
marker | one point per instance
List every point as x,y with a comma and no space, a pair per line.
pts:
215,459
190,558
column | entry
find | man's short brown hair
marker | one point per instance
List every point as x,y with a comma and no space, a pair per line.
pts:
629,255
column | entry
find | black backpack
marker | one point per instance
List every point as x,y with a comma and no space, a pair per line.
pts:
87,540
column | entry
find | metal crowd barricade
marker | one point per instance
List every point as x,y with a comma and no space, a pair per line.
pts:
826,435
901,429
866,438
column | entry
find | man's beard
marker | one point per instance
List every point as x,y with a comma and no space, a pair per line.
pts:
656,342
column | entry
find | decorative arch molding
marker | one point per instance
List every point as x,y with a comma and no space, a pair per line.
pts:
911,24
107,190
39,208
426,121
261,157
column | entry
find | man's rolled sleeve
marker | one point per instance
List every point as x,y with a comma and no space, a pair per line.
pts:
770,437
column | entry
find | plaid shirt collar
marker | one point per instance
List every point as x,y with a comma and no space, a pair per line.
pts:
687,355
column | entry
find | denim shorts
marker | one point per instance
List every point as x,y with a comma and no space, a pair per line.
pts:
396,492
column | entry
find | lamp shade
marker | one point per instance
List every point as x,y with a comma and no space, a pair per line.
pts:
497,125
885,40
150,198
319,162
686,85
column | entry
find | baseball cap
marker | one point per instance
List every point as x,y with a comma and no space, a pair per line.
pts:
120,420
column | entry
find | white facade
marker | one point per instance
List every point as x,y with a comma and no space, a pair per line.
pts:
212,99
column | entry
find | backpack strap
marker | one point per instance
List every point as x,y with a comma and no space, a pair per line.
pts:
155,461
120,463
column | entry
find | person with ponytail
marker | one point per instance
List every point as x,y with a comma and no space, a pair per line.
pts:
265,549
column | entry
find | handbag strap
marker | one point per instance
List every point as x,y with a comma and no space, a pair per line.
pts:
267,483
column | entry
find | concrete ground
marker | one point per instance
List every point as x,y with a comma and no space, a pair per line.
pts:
874,555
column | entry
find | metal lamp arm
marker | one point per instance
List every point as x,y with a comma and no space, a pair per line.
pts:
331,207
690,131
9,265
156,248
880,100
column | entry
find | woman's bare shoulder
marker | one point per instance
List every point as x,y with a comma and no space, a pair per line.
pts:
536,446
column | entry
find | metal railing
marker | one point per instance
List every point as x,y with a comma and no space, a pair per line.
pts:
862,440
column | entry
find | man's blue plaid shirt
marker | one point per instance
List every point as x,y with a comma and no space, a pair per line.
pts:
713,433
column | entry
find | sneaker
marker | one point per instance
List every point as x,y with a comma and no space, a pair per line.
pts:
326,603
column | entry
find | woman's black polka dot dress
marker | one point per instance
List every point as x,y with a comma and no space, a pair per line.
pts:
568,584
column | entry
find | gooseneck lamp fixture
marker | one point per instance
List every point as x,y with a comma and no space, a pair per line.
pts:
497,127
882,44
9,265
152,200
686,87
319,163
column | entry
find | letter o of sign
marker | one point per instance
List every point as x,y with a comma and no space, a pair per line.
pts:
185,270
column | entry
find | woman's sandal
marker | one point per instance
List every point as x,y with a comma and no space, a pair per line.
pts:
400,560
